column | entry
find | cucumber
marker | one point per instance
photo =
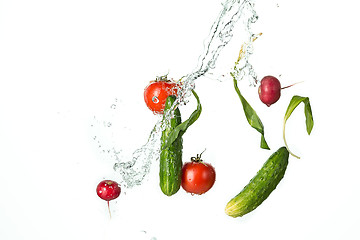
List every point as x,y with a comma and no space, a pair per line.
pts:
171,156
260,186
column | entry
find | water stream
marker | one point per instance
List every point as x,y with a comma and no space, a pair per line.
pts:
134,171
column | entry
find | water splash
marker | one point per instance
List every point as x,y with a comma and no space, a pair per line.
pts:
133,172
220,35
155,99
243,68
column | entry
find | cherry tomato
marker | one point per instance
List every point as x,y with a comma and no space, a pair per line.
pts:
197,176
156,92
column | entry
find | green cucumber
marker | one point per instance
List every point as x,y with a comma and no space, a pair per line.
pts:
171,156
260,186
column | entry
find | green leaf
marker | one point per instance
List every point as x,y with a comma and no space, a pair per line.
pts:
295,101
181,128
251,116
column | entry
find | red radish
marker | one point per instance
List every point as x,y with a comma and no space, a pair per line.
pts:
270,90
108,190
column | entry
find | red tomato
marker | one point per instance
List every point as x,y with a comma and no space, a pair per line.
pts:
155,94
197,176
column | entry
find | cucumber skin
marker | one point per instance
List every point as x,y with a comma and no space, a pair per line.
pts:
260,186
171,157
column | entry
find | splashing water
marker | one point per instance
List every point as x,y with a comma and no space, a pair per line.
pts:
133,172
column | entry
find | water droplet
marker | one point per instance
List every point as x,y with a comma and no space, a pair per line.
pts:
155,99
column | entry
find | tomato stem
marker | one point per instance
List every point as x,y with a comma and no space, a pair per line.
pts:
198,157
162,78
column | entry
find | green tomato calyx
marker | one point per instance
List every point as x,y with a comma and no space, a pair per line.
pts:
197,158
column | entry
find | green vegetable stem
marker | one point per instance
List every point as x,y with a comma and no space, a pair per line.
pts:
180,129
295,101
251,116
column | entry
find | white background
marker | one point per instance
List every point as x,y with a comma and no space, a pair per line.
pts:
62,63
